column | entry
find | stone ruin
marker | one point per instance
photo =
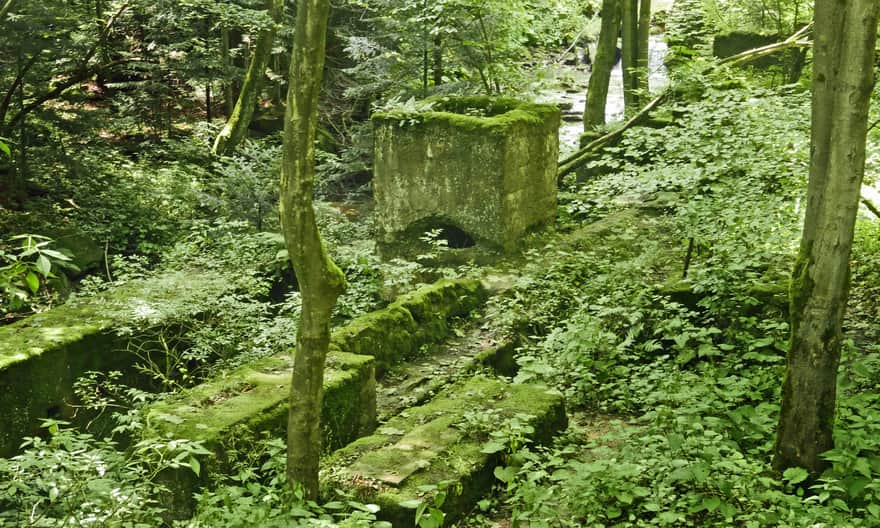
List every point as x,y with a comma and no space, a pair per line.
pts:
481,169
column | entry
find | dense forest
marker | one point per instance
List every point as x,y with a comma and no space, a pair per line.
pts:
475,263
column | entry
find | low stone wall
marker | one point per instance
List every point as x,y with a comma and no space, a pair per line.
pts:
397,332
231,414
486,166
729,44
42,356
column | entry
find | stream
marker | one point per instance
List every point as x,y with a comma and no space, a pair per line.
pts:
571,93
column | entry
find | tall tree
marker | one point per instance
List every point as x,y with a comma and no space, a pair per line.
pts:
845,36
630,53
236,126
643,53
606,55
321,281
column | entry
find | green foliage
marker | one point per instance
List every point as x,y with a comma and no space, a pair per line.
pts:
26,271
257,494
73,479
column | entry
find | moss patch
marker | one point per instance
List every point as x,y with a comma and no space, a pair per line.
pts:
430,444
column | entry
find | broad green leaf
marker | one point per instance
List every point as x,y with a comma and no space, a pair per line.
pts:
33,282
505,473
795,475
195,465
44,265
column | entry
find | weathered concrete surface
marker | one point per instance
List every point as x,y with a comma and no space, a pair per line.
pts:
486,166
42,356
435,443
233,412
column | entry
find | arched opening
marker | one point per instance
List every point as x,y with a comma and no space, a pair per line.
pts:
434,230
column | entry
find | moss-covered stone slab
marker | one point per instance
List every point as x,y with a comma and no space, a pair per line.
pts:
398,331
42,356
434,443
232,412
486,166
731,43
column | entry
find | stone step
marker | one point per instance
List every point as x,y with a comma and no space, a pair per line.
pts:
444,440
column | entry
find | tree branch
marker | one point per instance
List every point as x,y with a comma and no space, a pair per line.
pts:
83,73
871,207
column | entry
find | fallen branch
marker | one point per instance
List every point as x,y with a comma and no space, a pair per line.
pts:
871,207
579,158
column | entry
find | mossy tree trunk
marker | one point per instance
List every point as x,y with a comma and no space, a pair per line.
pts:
845,35
643,52
630,54
240,119
606,54
320,281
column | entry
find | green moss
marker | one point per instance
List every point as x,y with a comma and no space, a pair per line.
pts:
801,287
427,446
42,356
476,113
232,413
433,305
389,335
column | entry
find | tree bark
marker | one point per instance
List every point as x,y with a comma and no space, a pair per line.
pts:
321,281
606,51
438,60
228,95
240,119
845,35
643,52
630,54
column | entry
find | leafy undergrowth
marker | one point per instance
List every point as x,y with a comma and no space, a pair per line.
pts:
676,324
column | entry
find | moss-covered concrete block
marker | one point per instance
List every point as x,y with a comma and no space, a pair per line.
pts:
486,166
397,332
434,305
435,443
731,43
42,356
231,413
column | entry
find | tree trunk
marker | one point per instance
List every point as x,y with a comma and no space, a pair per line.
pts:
606,53
321,282
240,119
228,95
630,52
641,77
438,60
845,34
